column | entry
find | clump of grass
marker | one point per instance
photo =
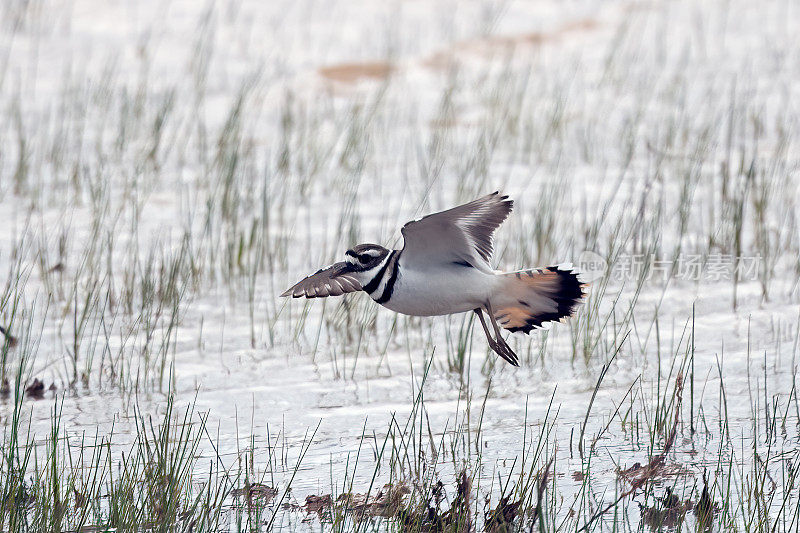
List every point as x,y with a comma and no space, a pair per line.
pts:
70,482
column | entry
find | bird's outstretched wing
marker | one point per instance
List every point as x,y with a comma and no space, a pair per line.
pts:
334,280
462,234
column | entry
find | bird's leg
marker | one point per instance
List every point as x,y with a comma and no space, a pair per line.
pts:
479,312
512,357
492,343
500,348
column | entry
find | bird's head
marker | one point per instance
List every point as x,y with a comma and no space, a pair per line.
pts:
365,256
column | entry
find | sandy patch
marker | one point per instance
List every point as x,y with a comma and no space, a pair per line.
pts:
354,72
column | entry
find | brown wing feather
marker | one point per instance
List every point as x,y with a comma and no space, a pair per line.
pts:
334,280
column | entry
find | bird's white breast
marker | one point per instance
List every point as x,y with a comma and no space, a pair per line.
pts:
439,290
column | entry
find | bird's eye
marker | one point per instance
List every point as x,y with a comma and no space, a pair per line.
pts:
364,258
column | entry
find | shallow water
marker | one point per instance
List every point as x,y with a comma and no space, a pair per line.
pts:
572,110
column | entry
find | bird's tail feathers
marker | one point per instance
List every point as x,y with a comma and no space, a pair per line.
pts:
527,299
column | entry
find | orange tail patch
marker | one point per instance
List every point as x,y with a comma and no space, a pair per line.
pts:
529,298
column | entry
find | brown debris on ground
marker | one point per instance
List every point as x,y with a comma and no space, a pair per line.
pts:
669,511
428,518
501,518
10,339
321,505
255,491
705,508
353,72
446,59
388,502
664,471
35,389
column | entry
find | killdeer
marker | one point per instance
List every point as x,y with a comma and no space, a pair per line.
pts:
444,268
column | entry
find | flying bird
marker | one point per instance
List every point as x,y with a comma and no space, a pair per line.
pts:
444,268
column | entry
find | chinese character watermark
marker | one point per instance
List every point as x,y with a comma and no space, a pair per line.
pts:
687,267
